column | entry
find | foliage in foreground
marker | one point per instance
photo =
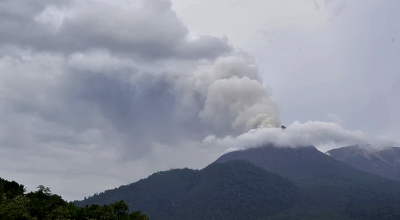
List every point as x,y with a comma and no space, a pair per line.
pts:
16,204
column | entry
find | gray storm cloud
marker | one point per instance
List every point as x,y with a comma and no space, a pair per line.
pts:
149,30
91,91
147,80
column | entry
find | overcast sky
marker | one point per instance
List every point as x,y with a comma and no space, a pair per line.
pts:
96,94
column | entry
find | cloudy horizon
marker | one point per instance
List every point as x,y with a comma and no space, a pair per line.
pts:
98,94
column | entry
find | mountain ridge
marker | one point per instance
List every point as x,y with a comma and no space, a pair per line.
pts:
304,183
383,162
217,191
325,183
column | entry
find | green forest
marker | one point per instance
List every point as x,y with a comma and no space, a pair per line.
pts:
233,190
237,190
16,204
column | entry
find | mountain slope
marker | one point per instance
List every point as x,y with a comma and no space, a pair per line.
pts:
233,190
327,186
384,162
305,165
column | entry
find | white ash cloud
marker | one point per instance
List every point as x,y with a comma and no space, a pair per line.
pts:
323,135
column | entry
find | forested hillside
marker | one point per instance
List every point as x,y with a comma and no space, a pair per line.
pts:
266,183
235,190
328,188
16,204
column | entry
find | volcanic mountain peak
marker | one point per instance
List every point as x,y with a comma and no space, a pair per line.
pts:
380,161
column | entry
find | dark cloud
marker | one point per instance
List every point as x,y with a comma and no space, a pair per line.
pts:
150,30
98,107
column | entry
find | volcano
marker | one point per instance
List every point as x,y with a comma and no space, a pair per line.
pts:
383,162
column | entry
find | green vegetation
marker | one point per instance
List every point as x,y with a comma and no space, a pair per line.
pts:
328,189
235,190
277,184
307,185
16,204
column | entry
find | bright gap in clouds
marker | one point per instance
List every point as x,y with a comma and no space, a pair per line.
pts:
97,95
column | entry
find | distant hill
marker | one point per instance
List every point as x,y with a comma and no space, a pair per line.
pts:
327,186
384,162
227,191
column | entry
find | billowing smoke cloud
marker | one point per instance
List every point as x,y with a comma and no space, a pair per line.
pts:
110,85
143,101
